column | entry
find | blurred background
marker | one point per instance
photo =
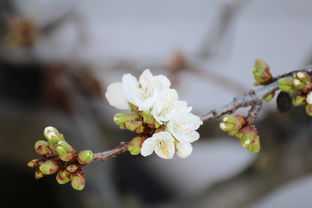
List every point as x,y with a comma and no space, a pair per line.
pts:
57,57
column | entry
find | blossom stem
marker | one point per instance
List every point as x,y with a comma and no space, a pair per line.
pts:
102,156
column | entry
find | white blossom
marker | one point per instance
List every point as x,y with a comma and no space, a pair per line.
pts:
143,93
116,97
168,106
162,143
153,95
183,127
183,149
309,98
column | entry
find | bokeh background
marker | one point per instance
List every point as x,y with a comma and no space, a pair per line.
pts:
58,56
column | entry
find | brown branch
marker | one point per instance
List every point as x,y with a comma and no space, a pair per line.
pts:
252,98
102,156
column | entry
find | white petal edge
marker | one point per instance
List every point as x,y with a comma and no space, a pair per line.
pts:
184,149
148,146
116,97
309,98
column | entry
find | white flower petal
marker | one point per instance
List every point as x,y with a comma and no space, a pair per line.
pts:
193,136
165,147
162,82
183,127
165,105
184,149
148,146
116,97
309,98
130,88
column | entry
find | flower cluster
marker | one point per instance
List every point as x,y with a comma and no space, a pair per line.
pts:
237,126
299,84
61,158
165,123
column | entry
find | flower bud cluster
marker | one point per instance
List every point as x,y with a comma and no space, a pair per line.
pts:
237,126
61,158
165,123
301,86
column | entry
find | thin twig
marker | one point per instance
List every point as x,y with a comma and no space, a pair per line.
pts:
102,156
252,98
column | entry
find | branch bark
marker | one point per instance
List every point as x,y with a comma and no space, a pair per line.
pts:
102,156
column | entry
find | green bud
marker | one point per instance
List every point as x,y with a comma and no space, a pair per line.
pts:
261,72
65,144
250,139
42,148
134,146
298,84
286,85
157,125
63,177
72,168
233,132
33,163
302,76
269,97
38,174
48,130
308,109
133,108
135,126
64,154
232,122
148,118
78,181
53,136
299,100
49,167
121,118
85,157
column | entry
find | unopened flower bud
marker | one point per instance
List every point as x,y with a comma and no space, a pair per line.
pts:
286,84
148,118
298,84
269,97
135,126
49,132
232,123
72,168
42,148
63,177
38,174
65,154
133,108
250,139
302,76
309,98
33,163
261,72
135,144
78,181
122,118
85,157
49,167
299,100
308,109
53,136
